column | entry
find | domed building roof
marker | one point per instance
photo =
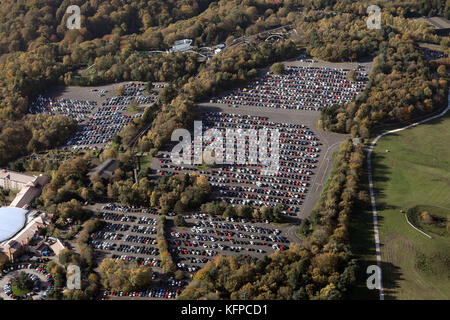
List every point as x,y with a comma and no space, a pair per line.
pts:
12,220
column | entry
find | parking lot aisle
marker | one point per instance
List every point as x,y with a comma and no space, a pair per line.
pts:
129,234
102,116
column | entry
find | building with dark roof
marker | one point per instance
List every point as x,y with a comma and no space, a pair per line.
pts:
106,169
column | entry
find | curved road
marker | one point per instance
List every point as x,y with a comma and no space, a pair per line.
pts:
12,274
372,196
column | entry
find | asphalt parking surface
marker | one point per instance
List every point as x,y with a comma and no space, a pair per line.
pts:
189,245
99,112
4,278
207,237
125,231
329,143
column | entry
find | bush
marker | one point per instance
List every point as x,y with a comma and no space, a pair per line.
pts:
23,282
179,221
277,68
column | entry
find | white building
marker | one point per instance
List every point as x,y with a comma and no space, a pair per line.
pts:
18,228
182,45
14,180
30,186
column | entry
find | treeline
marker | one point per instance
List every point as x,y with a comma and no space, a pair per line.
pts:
418,8
176,193
404,8
223,21
167,264
124,276
28,24
24,75
128,65
226,210
46,161
322,267
401,87
345,37
32,134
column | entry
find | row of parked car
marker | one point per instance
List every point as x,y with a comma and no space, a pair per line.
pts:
300,87
249,183
148,261
37,284
127,209
151,293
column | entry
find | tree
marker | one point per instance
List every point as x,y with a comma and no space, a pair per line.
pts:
123,276
23,282
352,75
179,221
3,260
277,68
149,87
442,71
120,91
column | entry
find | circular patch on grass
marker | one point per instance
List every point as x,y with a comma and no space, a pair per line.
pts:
430,219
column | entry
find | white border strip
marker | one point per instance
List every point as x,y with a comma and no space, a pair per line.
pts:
406,216
372,195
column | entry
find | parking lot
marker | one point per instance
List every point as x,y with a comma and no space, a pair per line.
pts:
43,281
305,161
99,112
247,184
129,234
301,177
206,237
304,85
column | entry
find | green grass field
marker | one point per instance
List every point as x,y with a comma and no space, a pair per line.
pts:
134,109
412,168
436,226
363,246
145,162
19,292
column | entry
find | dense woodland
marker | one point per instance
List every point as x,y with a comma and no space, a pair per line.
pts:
18,30
123,276
402,86
345,37
32,134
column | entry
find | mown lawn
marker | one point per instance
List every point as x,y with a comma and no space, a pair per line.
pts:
363,246
134,109
412,168
145,162
19,292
